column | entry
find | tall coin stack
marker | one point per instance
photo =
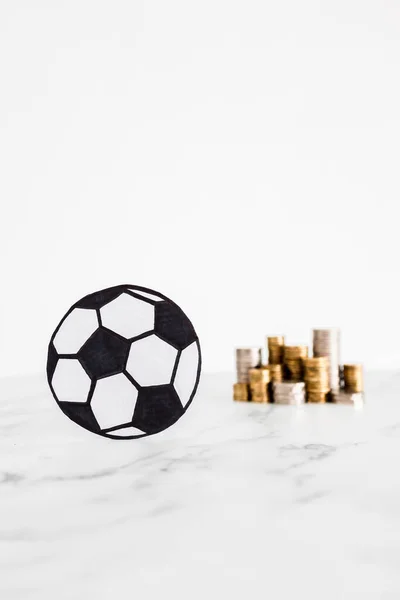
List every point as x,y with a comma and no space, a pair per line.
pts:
293,362
287,392
326,342
246,359
275,375
259,388
275,372
275,349
316,377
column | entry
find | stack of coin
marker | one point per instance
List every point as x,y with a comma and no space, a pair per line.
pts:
246,358
316,377
275,349
355,399
259,389
275,372
326,342
286,392
293,362
353,378
241,392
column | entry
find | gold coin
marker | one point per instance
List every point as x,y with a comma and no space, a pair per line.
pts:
277,340
276,372
241,392
295,351
353,378
316,361
317,397
275,349
316,377
259,392
293,362
259,376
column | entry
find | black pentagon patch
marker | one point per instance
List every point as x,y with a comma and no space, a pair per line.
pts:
52,359
81,414
99,299
157,407
173,326
103,354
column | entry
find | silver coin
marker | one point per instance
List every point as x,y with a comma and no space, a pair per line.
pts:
355,399
326,342
286,392
247,358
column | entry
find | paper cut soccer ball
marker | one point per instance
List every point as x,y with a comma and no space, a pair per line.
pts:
124,362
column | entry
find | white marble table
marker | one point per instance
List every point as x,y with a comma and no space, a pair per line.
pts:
234,501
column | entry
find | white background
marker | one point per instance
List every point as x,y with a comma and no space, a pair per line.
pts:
242,157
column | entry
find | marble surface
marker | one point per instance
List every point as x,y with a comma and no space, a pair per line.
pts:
234,501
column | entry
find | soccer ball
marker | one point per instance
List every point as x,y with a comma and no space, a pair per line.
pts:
124,362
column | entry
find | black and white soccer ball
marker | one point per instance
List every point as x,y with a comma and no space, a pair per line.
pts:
124,362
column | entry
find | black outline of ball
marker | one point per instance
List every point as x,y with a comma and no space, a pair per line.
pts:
109,297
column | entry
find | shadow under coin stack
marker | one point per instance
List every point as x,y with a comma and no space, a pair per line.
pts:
259,385
246,359
353,386
326,342
293,357
316,377
287,392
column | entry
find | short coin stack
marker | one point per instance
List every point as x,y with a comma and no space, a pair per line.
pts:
259,388
288,392
353,378
353,382
316,377
326,342
355,399
241,392
293,357
275,349
246,359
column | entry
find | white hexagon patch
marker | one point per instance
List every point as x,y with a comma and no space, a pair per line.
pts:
147,295
76,329
114,400
186,374
126,432
128,316
70,381
151,361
